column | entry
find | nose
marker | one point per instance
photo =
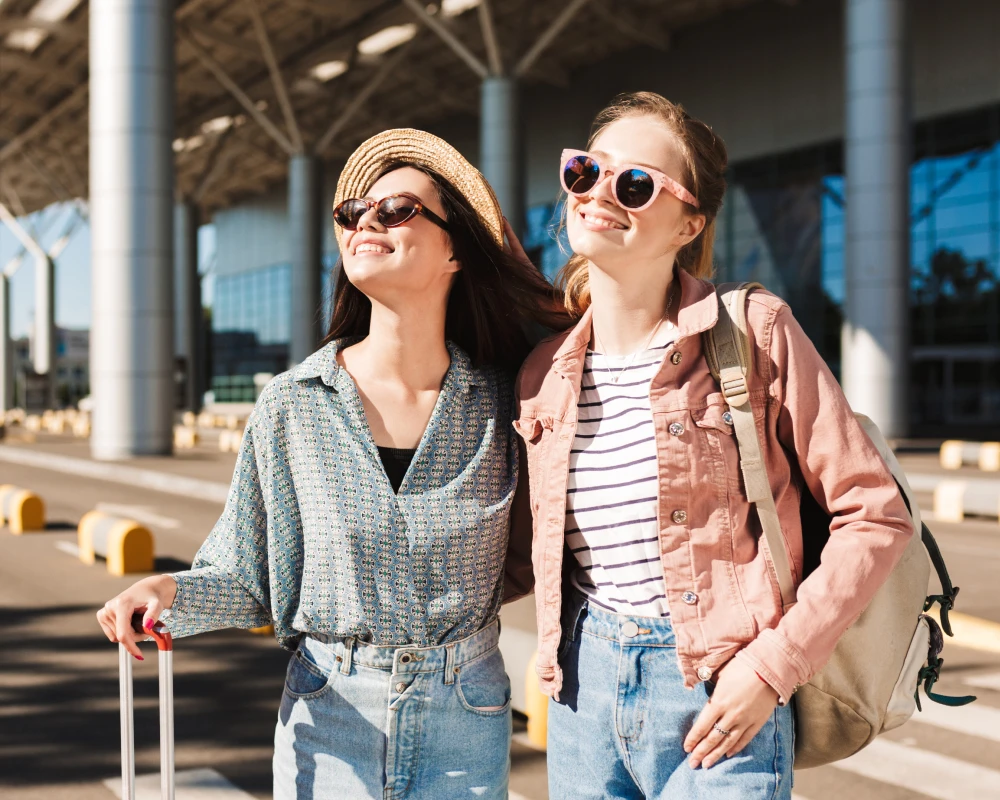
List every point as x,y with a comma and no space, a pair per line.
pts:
369,221
603,190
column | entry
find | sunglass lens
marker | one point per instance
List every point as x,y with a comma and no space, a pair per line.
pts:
580,174
394,211
348,213
634,188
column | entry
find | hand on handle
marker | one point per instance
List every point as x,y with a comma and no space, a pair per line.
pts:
148,597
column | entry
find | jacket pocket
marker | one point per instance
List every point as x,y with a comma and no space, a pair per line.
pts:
536,432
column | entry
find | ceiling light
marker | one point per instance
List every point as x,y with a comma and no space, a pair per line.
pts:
28,39
217,125
386,39
452,8
328,70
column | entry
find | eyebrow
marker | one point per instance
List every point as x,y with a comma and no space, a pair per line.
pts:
411,195
637,163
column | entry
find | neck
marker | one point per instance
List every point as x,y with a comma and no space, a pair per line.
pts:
405,344
626,312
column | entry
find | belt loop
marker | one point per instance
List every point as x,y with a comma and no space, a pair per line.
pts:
345,668
449,664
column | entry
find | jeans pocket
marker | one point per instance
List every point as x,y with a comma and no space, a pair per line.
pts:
482,685
304,678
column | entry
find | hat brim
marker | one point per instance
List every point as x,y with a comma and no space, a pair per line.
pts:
371,158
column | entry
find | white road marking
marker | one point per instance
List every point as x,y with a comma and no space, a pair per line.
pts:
193,784
972,720
141,514
991,681
68,547
923,771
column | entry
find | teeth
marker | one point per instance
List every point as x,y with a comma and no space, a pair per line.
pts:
604,223
371,248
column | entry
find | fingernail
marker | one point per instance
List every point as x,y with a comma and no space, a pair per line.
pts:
148,624
139,658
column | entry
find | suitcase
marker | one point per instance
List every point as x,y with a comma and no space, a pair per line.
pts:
164,644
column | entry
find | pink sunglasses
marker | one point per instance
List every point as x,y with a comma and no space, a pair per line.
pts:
634,187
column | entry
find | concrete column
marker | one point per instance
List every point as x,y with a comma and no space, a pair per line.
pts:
43,354
305,181
875,339
187,302
6,354
131,205
500,146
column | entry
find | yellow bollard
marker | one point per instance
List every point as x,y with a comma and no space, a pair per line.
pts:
536,707
989,457
125,544
33,423
21,510
185,438
81,427
190,419
263,630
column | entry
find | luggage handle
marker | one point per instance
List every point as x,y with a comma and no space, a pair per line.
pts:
165,647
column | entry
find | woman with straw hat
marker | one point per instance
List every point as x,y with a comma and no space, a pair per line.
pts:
369,513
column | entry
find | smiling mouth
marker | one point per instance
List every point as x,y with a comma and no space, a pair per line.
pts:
602,222
371,247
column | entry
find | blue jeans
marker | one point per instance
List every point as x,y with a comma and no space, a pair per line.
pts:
618,728
360,721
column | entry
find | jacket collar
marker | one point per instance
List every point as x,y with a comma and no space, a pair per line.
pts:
322,364
699,311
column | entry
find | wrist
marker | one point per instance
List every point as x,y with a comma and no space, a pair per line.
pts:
166,589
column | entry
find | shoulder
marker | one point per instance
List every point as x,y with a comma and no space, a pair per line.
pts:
538,364
763,311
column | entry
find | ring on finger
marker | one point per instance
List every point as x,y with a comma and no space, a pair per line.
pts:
717,729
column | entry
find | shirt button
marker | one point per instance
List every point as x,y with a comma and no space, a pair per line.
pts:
679,517
675,359
676,429
727,417
400,688
704,673
630,629
690,598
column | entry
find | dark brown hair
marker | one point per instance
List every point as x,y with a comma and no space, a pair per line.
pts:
705,161
495,299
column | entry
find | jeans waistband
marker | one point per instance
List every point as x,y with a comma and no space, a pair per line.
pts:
407,658
628,629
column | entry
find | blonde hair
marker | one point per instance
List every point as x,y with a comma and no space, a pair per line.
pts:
705,161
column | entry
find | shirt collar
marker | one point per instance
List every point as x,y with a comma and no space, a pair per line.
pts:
322,364
698,311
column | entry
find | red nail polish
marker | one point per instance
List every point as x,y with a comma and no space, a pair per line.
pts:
140,658
148,624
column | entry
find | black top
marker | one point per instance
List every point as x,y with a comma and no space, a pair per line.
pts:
395,462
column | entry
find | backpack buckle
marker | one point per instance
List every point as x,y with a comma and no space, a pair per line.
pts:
735,389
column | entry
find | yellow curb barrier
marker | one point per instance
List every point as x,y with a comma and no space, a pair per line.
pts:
185,438
81,427
263,630
956,454
230,441
536,706
233,422
33,423
954,500
126,545
21,510
972,633
206,420
190,419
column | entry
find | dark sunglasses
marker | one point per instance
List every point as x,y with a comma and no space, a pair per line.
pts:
634,187
389,211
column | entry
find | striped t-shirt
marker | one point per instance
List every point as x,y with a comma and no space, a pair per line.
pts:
612,496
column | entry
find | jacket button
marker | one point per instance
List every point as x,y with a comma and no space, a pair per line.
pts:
676,429
704,673
727,417
675,359
400,688
679,517
690,598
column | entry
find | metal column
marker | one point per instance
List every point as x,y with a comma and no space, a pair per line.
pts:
875,339
131,202
6,353
499,146
305,232
187,302
43,355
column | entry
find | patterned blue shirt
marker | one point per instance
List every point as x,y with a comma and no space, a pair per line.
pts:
314,539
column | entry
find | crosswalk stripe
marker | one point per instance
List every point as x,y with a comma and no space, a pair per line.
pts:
192,784
991,681
924,772
972,720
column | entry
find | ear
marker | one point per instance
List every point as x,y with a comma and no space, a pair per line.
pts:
454,265
692,226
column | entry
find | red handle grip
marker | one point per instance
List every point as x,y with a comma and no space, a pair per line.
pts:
159,633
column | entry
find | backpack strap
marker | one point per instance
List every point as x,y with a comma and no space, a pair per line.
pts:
729,356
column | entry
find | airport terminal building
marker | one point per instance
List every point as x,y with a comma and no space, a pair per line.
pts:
864,185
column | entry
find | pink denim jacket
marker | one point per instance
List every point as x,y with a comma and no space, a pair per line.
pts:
714,549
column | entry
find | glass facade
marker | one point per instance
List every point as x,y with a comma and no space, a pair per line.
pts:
783,225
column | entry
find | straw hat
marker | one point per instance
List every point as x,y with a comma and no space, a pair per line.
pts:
418,147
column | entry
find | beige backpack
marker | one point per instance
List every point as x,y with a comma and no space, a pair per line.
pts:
870,684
